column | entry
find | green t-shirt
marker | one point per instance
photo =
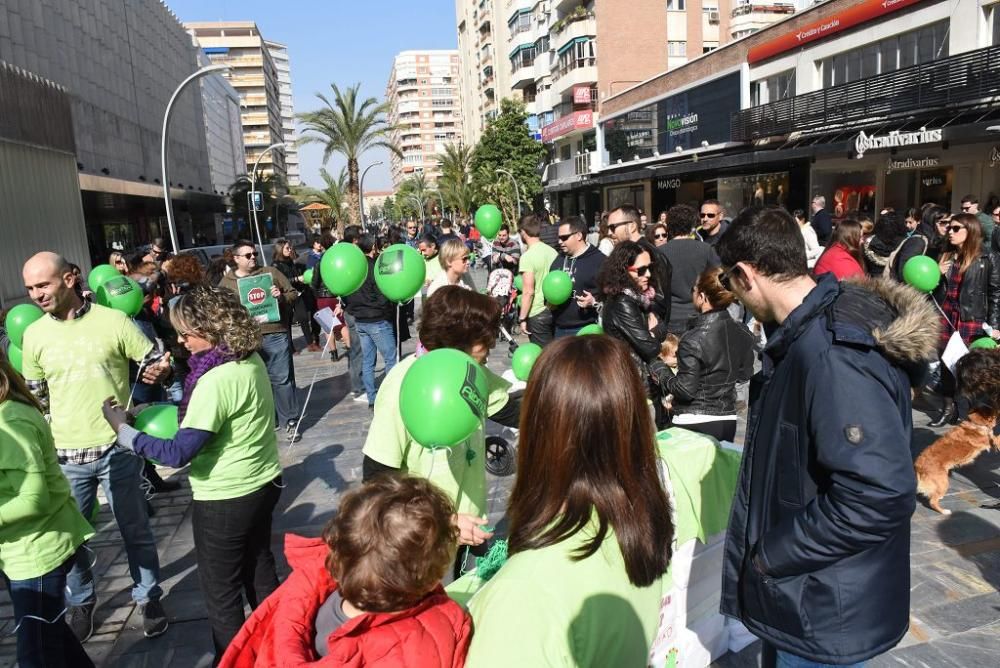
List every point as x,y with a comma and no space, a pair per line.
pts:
40,525
234,402
537,260
459,471
84,361
564,612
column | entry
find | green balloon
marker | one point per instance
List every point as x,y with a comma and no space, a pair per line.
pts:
984,342
307,276
399,272
524,358
158,420
100,275
14,357
519,283
442,399
922,273
488,220
18,319
343,268
122,294
557,287
592,328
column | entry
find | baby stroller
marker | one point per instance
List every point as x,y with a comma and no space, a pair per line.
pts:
500,286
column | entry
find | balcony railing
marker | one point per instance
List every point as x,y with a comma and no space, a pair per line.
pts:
957,82
743,10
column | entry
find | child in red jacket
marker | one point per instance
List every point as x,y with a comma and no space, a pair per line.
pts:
368,593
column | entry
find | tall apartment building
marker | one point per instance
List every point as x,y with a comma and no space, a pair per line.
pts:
425,106
279,52
254,75
119,63
482,55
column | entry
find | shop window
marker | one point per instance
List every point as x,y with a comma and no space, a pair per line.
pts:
846,193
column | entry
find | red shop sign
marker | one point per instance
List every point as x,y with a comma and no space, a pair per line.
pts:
578,120
581,95
864,11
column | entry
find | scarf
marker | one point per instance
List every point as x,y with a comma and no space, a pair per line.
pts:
646,298
198,365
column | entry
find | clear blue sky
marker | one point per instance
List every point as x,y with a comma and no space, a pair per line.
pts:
337,41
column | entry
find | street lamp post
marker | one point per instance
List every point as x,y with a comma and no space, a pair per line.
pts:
253,176
441,198
163,147
361,191
517,191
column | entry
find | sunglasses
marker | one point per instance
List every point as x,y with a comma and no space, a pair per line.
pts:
640,271
725,278
709,215
614,226
955,229
247,255
660,235
565,237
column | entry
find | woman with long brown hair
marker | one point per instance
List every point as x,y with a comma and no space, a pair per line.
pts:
41,529
843,257
590,523
969,295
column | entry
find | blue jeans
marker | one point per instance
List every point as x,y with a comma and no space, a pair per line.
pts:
276,351
566,331
118,473
783,659
376,337
44,643
354,355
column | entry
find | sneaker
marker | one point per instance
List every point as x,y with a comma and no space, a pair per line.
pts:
81,620
291,432
360,397
154,619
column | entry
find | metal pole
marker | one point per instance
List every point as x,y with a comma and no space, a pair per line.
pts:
361,191
441,198
163,147
253,176
517,191
420,208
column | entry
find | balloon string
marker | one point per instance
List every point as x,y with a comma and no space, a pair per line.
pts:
138,379
943,314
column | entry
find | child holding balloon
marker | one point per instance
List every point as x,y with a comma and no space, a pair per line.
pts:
451,450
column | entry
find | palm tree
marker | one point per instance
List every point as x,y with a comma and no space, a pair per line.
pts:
455,182
413,189
349,127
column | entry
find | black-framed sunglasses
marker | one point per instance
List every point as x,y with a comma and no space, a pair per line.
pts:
641,271
660,235
955,229
614,226
725,278
247,255
565,237
708,215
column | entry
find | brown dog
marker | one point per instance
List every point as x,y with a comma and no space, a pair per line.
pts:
960,446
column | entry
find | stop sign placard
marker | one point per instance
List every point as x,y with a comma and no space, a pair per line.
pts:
256,296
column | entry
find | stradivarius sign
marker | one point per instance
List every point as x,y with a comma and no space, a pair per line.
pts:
894,139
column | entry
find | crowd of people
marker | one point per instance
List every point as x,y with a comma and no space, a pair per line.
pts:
816,563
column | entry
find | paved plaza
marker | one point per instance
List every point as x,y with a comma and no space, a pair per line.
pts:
955,610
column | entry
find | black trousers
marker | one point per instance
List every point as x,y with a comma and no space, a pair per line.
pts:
720,430
232,543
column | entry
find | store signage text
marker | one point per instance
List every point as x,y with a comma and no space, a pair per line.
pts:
578,120
860,13
679,125
894,139
668,184
637,138
933,181
910,163
581,95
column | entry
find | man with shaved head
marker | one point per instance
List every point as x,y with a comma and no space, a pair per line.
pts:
73,360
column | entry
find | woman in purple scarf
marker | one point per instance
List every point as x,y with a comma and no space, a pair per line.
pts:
227,435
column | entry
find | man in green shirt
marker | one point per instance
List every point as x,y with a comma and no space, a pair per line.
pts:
535,318
73,360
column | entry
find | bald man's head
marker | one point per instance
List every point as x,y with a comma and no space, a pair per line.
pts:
50,283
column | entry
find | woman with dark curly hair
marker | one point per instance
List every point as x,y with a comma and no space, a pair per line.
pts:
881,249
624,289
227,435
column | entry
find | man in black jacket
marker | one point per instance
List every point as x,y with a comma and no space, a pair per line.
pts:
821,221
623,224
373,313
817,557
688,258
582,262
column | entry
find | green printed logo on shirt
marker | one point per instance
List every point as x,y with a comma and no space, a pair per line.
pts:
470,393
